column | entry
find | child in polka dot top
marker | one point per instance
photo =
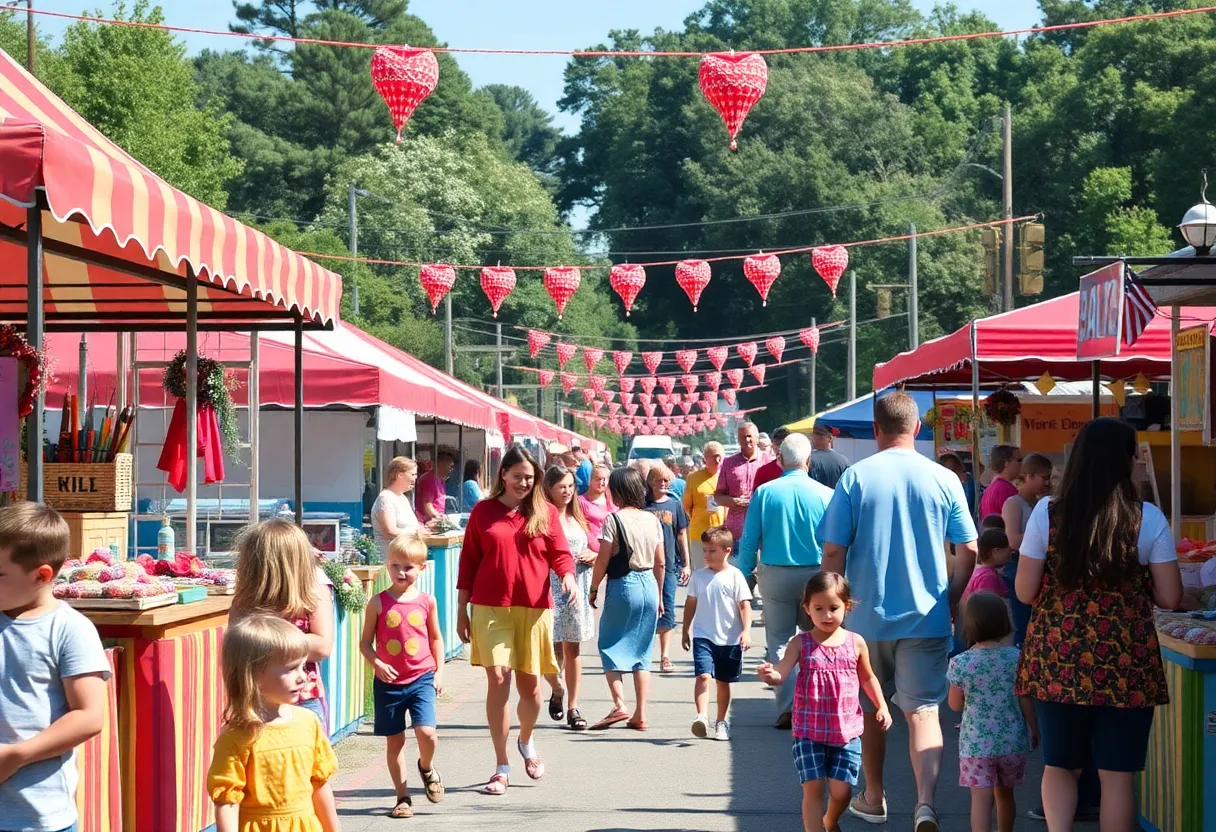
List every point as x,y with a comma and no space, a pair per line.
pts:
401,640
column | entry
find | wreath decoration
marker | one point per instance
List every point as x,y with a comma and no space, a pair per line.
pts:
348,590
34,373
1002,407
215,386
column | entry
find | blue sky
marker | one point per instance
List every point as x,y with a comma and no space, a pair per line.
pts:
523,24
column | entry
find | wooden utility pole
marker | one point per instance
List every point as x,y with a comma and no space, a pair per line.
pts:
1007,189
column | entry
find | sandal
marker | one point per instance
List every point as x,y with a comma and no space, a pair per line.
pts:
637,726
575,720
612,719
666,666
496,785
534,766
557,711
404,808
433,782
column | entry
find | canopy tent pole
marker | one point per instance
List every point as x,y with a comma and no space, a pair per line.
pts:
191,410
82,384
122,361
812,377
298,420
255,425
975,437
34,334
1175,435
460,457
1096,382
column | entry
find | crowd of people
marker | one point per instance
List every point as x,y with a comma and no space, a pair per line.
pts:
879,592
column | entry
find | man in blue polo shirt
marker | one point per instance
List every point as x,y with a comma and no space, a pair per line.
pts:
885,530
781,522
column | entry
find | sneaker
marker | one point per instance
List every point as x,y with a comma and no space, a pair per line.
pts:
925,818
869,812
722,733
700,727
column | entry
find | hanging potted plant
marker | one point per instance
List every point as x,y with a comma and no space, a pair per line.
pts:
1002,408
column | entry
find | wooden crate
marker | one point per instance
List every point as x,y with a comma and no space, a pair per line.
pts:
85,486
96,530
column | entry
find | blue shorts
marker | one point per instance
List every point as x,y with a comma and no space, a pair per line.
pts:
1114,739
671,580
392,702
724,663
819,761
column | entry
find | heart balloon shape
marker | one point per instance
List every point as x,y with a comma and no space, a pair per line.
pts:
437,279
733,84
735,377
717,356
627,281
762,270
621,359
747,351
597,383
775,346
686,359
545,377
830,262
652,360
648,383
713,380
497,282
561,283
565,352
757,372
668,384
689,380
537,341
693,276
568,382
810,337
403,77
588,395
592,357
626,384
729,395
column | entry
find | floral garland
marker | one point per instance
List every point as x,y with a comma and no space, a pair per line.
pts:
34,363
369,552
348,590
215,386
1002,407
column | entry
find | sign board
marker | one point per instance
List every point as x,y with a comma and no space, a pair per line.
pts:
1192,352
10,426
1049,427
1099,325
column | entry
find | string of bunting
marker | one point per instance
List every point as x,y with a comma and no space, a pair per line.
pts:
658,425
690,381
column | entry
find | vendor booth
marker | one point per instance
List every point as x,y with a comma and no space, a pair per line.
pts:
853,423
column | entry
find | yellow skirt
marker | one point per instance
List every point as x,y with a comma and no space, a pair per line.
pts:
520,638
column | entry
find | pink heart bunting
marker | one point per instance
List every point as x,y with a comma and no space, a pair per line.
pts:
592,357
437,279
652,360
544,377
775,346
648,383
757,372
568,382
686,359
713,380
588,395
597,383
668,383
621,359
693,276
747,352
689,380
831,263
735,377
626,383
404,77
627,281
733,83
717,356
561,283
810,338
762,271
537,341
497,282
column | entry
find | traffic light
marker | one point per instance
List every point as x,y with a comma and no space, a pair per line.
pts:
990,239
1030,258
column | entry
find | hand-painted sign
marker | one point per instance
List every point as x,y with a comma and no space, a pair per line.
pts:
1101,313
1191,353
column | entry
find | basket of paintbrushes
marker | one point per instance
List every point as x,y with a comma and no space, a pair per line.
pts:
89,468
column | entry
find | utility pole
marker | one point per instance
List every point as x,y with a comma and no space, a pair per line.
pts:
447,334
498,355
30,39
814,358
352,193
1007,189
913,301
851,381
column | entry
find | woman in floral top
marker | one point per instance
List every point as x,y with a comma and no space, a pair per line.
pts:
1094,561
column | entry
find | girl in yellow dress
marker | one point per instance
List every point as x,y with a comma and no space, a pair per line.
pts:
271,766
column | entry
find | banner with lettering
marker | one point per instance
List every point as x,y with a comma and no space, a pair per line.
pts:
1100,319
1191,349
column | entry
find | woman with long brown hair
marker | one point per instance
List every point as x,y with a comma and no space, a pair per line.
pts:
1094,561
512,540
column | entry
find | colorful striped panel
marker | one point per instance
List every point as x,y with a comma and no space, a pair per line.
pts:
1171,787
99,792
446,564
342,675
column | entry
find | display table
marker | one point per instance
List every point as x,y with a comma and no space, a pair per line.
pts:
99,789
1182,747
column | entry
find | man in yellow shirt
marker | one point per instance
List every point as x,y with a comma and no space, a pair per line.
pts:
703,512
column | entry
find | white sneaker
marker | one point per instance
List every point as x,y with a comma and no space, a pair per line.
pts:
723,730
700,727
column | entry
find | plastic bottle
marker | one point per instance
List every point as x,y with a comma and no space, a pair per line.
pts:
164,541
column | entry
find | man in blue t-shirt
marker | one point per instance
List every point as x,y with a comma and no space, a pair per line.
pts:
885,530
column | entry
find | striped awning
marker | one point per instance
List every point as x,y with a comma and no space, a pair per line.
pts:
120,243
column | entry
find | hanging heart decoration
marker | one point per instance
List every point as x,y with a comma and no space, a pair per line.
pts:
631,409
668,383
437,279
713,380
568,382
775,347
757,372
665,404
627,281
747,351
762,271
592,357
733,83
597,406
588,395
652,422
537,341
729,395
705,406
648,383
625,383
597,383
652,360
735,377
717,356
648,409
693,276
621,359
564,353
645,398
561,282
689,380
831,263
403,77
614,408
626,398
686,359
810,338
607,395
545,377
709,396
497,282
686,407
691,397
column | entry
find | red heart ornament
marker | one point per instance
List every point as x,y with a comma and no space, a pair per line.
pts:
568,382
689,380
652,360
757,372
668,384
733,84
545,377
717,356
437,279
693,276
775,346
831,263
621,359
729,395
686,359
626,384
648,383
747,351
592,357
497,282
735,377
713,380
627,281
403,77
564,353
810,337
561,283
762,271
537,341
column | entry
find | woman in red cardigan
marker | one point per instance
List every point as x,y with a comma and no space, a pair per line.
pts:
512,540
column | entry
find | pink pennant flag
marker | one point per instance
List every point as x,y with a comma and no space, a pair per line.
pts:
668,383
729,395
625,383
757,371
568,382
689,380
717,356
592,357
735,377
621,359
775,346
648,383
747,351
537,341
544,377
713,380
565,352
652,360
686,359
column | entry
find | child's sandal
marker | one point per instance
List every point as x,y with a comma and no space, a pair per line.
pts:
496,785
433,782
404,808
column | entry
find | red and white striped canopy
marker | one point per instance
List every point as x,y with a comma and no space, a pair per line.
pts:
119,242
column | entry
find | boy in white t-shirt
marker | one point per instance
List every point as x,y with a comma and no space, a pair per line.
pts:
717,628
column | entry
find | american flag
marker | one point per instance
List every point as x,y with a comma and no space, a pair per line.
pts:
1138,307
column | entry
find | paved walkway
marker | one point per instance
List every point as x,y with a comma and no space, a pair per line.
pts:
620,780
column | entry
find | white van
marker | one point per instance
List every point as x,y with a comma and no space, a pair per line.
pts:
651,447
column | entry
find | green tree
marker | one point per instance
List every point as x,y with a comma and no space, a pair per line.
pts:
528,132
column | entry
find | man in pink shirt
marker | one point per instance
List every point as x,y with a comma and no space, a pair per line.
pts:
431,494
737,478
1007,466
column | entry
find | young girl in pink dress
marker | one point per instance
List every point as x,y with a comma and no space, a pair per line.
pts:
596,505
